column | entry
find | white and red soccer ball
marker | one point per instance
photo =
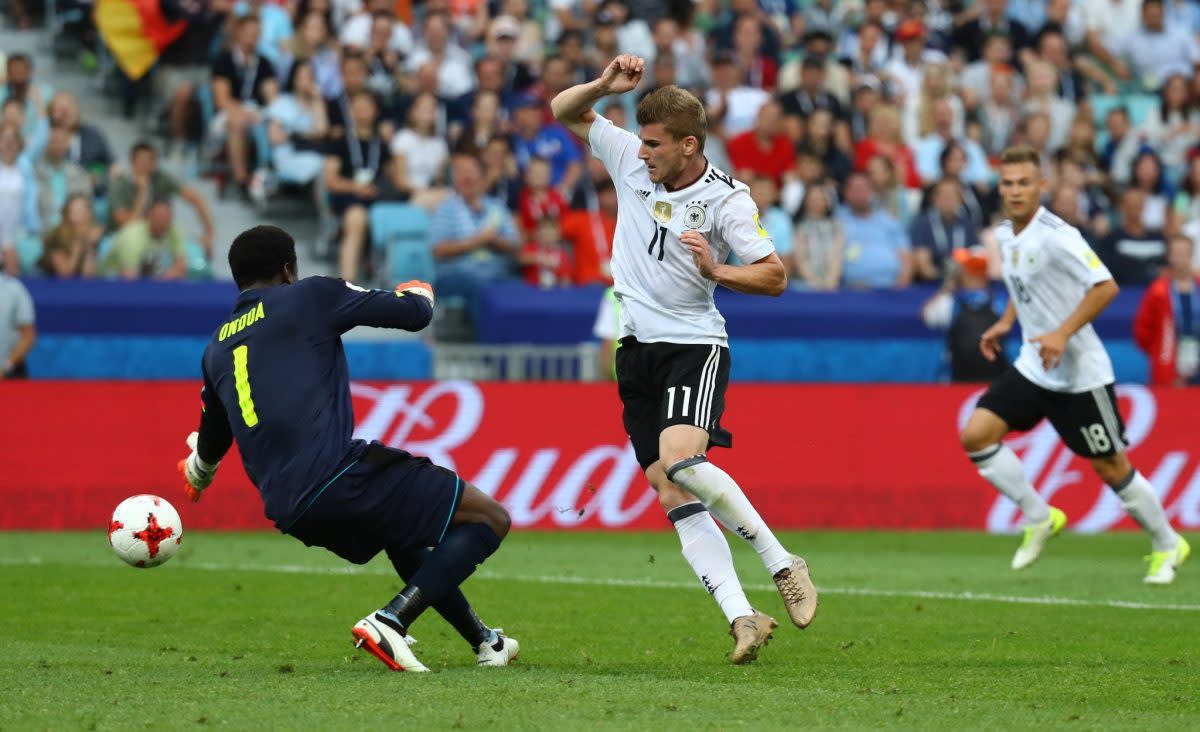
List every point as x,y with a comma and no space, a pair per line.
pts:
145,531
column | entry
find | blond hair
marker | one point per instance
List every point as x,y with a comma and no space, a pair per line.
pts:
679,111
1021,154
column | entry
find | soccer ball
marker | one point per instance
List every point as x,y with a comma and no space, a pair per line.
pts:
145,531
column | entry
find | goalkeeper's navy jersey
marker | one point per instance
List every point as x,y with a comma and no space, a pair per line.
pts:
275,379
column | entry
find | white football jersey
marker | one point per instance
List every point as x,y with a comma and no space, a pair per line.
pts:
1048,269
662,294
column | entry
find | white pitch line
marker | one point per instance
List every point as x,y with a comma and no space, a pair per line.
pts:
644,583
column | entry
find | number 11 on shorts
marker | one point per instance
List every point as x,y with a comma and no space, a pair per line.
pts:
687,398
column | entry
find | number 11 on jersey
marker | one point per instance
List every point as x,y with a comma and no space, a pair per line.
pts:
659,238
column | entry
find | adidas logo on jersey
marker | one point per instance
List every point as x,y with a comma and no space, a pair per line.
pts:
644,194
715,175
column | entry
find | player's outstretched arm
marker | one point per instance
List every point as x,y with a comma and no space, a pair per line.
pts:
573,107
208,445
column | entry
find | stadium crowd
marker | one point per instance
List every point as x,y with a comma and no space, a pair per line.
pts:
867,130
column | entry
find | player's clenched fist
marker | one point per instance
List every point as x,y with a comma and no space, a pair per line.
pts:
623,74
416,287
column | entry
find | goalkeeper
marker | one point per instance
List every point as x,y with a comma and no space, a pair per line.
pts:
276,380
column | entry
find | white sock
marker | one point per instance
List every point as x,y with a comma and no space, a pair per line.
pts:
722,496
1001,467
705,548
1141,502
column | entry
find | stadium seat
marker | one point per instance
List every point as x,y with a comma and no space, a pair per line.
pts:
29,251
401,232
1138,105
199,267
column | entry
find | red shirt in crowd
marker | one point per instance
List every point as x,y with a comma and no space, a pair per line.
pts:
746,152
899,154
1154,330
537,206
549,267
591,235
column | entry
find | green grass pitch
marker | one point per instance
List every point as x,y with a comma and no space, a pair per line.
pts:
915,630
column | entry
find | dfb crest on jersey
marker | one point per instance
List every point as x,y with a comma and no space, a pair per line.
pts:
662,211
696,215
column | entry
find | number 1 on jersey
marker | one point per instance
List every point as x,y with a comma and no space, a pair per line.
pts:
241,378
659,238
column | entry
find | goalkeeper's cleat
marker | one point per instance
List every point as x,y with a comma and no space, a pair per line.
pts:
1164,564
1036,536
798,592
501,652
750,632
382,638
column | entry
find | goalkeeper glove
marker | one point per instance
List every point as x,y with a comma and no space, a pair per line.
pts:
416,287
197,474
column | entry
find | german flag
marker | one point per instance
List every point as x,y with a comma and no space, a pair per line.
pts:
136,32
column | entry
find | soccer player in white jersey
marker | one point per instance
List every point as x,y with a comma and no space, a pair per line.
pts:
1057,286
678,220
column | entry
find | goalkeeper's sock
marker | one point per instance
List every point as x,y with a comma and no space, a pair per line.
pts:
453,606
1141,502
1001,467
721,495
705,548
449,565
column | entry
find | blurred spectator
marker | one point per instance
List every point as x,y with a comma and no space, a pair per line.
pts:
1148,177
877,252
298,125
730,104
243,84
1092,206
385,64
1073,75
771,215
928,151
965,308
868,53
1121,146
529,40
501,177
1183,14
818,44
57,177
992,17
811,95
18,197
1043,97
1133,253
976,79
452,62
691,71
937,234
761,70
87,147
20,87
866,98
1152,50
906,70
808,171
538,199
1172,126
1035,131
1167,324
148,247
502,37
633,35
917,119
590,231
604,46
359,172
890,193
726,31
827,139
764,150
534,137
420,155
354,74
17,330
545,259
820,243
1067,202
70,248
884,139
359,31
184,66
131,192
999,114
1067,16
1187,201
474,240
313,44
485,122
